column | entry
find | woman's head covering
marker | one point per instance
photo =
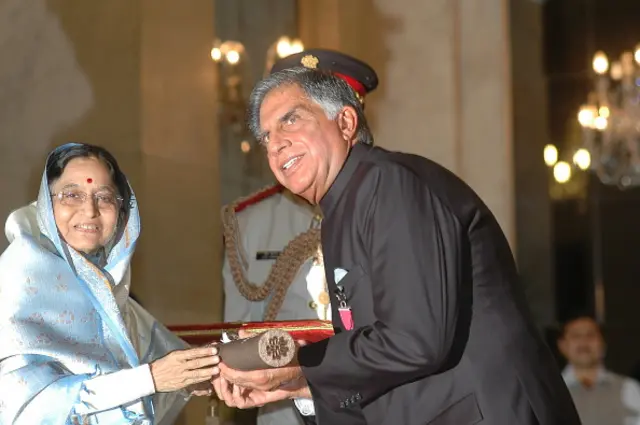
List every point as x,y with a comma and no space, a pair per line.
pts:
119,250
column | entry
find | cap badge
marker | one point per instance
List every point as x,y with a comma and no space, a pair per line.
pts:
309,61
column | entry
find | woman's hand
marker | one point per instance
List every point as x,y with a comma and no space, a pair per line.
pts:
182,368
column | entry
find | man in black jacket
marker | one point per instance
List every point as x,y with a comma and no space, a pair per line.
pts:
431,323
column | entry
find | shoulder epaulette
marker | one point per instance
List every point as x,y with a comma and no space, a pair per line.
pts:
258,197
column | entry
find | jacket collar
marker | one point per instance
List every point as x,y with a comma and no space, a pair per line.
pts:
358,152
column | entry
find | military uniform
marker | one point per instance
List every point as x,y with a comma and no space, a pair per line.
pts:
273,268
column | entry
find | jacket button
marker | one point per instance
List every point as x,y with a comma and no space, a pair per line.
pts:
313,305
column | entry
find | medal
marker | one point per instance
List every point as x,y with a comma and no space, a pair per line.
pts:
323,298
346,316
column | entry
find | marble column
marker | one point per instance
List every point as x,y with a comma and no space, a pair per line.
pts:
530,135
447,79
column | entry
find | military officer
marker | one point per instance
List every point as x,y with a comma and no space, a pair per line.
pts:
273,268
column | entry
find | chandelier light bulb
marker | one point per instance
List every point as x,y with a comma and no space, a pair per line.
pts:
550,155
582,159
296,46
604,111
600,63
216,54
562,172
233,57
636,54
600,123
586,116
283,48
616,70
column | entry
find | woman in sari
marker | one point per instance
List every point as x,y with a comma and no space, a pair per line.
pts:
74,348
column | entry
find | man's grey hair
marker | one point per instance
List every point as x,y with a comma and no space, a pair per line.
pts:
331,93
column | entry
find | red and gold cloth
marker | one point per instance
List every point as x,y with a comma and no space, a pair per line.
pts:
307,330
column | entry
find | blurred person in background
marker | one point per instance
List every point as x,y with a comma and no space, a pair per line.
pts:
601,396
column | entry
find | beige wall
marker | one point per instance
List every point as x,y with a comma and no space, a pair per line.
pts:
444,82
135,77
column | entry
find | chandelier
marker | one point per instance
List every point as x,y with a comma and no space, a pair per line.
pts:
610,120
236,81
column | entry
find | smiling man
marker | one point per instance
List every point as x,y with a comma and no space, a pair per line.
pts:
431,323
272,266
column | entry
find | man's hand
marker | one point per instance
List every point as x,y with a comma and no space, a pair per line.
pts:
244,398
262,380
246,390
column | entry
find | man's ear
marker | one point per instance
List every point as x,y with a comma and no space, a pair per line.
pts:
348,123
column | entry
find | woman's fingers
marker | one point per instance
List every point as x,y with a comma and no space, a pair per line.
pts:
185,367
199,375
196,353
201,362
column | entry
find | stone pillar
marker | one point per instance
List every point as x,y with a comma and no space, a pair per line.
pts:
137,78
180,247
530,135
446,92
179,265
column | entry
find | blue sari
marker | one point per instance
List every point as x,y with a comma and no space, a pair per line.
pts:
60,326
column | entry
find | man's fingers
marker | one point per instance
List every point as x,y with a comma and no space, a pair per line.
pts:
240,398
237,393
239,375
226,393
228,373
217,382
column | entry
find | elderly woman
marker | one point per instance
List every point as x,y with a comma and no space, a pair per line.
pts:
74,348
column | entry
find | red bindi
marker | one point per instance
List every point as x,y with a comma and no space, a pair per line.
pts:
89,180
